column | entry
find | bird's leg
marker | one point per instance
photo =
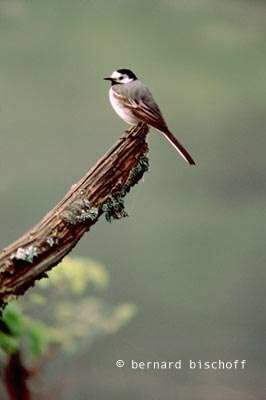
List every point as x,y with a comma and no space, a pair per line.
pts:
130,129
138,126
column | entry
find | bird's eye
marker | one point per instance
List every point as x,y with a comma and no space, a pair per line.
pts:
121,77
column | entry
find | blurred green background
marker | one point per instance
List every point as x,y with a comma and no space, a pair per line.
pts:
192,254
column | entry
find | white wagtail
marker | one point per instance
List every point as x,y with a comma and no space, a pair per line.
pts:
133,102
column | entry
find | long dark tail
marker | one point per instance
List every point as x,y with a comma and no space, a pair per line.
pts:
178,146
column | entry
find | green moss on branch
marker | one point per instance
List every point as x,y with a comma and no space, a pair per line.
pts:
114,207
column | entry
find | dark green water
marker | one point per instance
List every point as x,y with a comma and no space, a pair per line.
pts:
192,254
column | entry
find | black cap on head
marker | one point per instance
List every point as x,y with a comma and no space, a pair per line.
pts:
129,73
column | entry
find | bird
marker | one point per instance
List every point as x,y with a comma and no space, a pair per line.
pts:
134,103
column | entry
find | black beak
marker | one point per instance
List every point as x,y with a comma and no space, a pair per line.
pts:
108,79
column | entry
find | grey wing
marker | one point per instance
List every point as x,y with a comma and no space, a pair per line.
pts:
137,97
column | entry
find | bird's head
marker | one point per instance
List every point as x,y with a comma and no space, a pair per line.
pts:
121,76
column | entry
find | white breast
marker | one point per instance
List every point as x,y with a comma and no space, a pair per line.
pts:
122,111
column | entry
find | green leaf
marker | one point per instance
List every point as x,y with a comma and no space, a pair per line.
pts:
14,319
8,343
37,341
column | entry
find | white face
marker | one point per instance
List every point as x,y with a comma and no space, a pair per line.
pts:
121,78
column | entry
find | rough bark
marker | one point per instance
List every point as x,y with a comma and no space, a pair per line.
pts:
100,191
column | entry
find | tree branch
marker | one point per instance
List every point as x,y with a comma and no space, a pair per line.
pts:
100,191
